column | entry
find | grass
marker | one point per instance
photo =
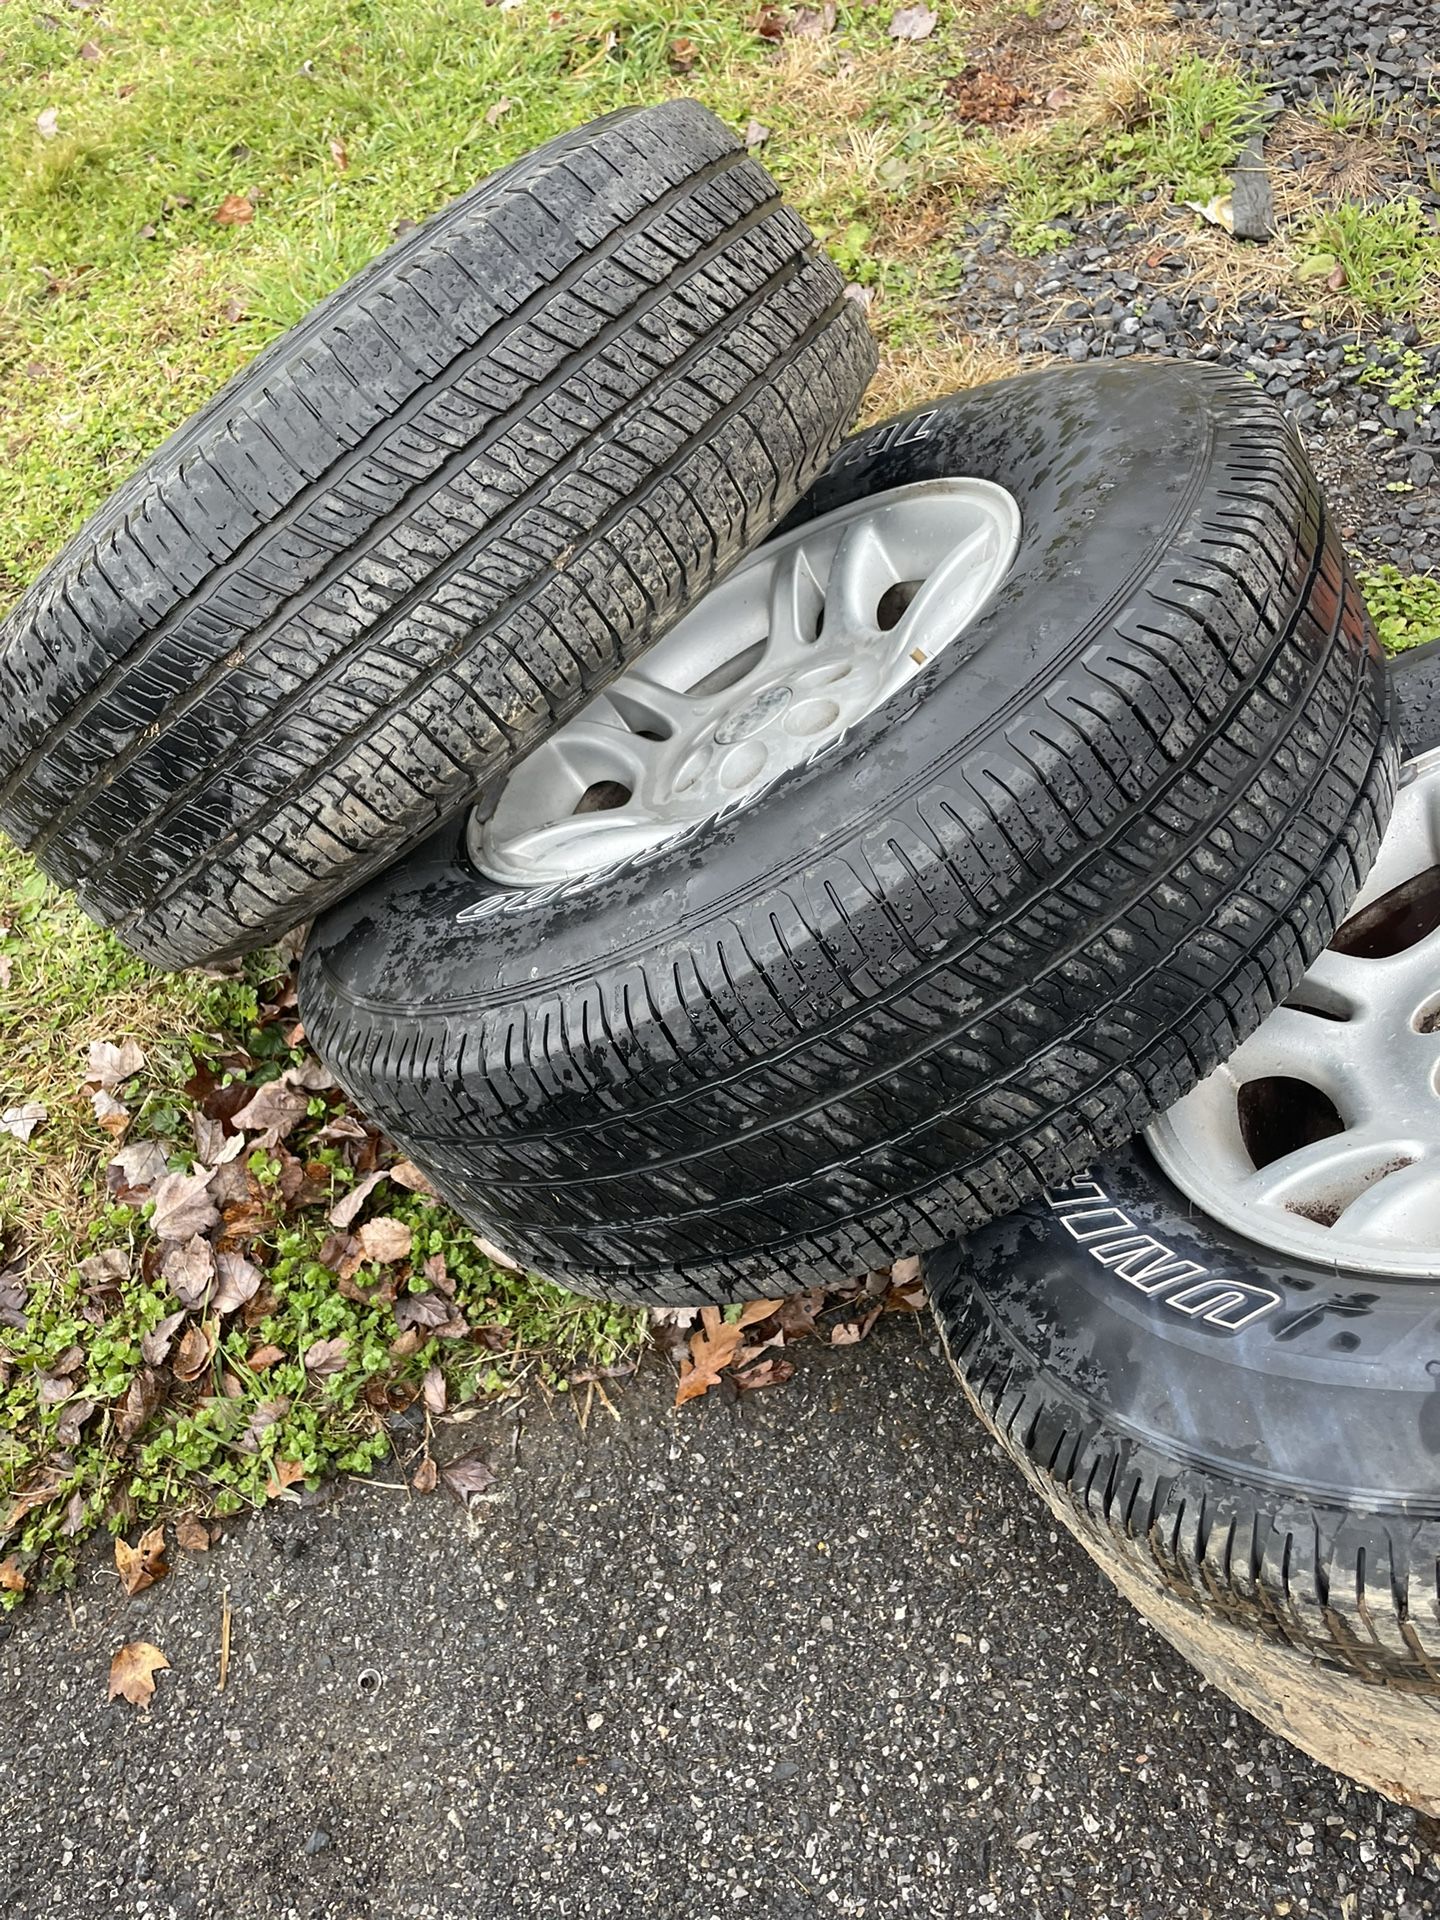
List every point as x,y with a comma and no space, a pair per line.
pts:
1405,607
1385,257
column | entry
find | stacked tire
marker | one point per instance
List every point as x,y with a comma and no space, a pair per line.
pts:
742,858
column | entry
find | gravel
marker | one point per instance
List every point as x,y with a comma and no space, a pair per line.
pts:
814,1652
1308,47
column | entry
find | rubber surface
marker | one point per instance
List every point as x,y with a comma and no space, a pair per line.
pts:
1261,1435
1415,696
433,518
998,926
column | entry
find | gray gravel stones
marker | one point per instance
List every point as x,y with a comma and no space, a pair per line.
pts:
1307,47
1366,403
816,1653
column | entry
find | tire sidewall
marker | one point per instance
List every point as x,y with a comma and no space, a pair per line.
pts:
1159,1325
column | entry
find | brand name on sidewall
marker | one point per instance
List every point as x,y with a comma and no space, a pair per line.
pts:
1112,1239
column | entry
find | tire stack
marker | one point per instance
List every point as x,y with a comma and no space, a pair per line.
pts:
740,862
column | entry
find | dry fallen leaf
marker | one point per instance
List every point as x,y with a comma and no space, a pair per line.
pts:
89,50
497,1256
47,122
239,1281
683,54
497,111
22,1121
468,1476
233,211
756,134
712,1349
385,1240
143,1564
406,1174
340,155
142,1397
107,1065
345,1210
913,23
283,1474
183,1206
12,1580
132,1671
327,1356
426,1476
137,1168
274,1111
155,1346
111,1114
192,1534
434,1390
194,1353
264,1357
190,1270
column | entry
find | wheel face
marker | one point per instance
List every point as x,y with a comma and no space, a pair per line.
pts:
997,925
1320,1135
421,528
806,638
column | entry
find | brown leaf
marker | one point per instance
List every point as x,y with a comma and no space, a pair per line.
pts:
193,1355
712,1349
468,1476
425,1476
683,53
345,1209
773,1372
105,1270
239,1280
756,134
143,1564
433,1390
283,1474
406,1174
135,1170
846,1333
132,1671
12,1580
233,211
89,50
107,1065
428,1311
385,1240
274,1111
192,1534
496,1255
71,1422
1337,277
190,1269
497,111
264,1357
327,1356
913,23
22,1121
339,155
183,1206
155,1346
142,1397
111,1114
265,1416
812,23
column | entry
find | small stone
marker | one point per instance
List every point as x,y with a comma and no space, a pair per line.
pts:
318,1842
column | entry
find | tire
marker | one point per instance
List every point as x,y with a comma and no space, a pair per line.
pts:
419,528
1242,1427
996,926
1415,696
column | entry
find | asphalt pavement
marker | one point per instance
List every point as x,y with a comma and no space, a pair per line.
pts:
814,1652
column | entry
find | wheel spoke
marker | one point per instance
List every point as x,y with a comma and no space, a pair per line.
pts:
795,603
860,574
1321,1180
1400,1208
646,705
591,750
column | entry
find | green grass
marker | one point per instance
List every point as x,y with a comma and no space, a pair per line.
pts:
123,304
1174,128
1388,254
1405,607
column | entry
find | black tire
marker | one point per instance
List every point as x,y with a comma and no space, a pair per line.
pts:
1021,908
435,516
1248,1443
1415,696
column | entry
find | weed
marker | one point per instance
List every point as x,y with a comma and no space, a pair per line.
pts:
1385,258
1404,607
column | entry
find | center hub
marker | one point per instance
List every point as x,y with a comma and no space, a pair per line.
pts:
754,715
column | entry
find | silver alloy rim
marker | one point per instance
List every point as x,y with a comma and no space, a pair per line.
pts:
1341,1085
804,639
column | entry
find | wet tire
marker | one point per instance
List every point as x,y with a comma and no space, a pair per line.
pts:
1022,907
429,521
1415,696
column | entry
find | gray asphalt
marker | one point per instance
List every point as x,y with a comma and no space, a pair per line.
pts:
817,1652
